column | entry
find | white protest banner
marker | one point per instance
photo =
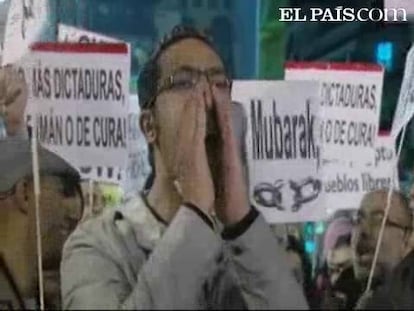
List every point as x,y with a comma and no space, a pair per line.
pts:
350,100
132,177
25,21
345,186
405,106
282,149
78,96
73,34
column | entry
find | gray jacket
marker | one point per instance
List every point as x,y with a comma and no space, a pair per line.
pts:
127,259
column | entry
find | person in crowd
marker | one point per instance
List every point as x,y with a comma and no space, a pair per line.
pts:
192,241
337,250
97,206
60,210
395,243
301,265
13,100
397,293
338,286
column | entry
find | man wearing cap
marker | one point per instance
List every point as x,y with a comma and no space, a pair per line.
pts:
166,249
60,210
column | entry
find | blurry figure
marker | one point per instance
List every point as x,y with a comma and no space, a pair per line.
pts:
343,294
411,196
400,292
300,263
395,243
337,247
105,195
13,100
60,210
97,201
397,293
339,287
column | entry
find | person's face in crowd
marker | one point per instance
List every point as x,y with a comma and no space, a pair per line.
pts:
13,99
182,61
60,211
395,238
339,259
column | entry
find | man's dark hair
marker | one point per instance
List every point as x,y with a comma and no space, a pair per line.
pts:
150,73
149,76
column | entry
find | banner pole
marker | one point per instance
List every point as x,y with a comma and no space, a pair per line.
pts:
36,183
387,210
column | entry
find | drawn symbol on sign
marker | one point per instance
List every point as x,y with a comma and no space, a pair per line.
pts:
299,188
269,195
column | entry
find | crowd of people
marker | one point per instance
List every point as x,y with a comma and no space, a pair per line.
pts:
190,239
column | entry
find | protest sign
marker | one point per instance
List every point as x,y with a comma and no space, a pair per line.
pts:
282,148
345,186
133,176
25,21
76,35
350,102
405,106
79,102
114,175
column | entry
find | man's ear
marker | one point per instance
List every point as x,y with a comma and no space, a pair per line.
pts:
147,124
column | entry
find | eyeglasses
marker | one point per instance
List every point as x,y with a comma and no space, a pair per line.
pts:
186,79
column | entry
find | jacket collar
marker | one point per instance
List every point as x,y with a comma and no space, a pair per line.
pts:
147,228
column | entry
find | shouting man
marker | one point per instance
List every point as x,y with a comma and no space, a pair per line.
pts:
166,249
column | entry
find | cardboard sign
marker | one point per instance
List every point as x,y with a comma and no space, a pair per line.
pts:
78,100
405,106
282,148
350,102
131,178
72,34
345,186
25,21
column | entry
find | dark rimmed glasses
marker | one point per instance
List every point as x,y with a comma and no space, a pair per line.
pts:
186,78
